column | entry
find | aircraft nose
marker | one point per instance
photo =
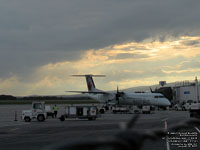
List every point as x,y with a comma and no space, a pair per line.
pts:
167,102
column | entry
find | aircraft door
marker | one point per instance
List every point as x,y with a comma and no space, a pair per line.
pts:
146,101
80,111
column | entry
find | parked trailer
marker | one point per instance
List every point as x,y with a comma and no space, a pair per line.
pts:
120,109
132,109
49,111
81,112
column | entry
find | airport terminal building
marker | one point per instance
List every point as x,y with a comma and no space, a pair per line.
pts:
186,92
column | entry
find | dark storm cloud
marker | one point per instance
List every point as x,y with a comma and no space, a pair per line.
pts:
33,33
23,63
120,75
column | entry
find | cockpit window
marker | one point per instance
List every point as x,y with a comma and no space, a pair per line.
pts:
159,96
37,106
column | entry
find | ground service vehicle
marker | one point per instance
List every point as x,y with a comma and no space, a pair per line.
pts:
146,109
195,110
37,112
188,105
49,111
136,110
81,112
177,107
120,109
132,109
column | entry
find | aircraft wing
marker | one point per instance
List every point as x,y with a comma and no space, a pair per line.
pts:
83,92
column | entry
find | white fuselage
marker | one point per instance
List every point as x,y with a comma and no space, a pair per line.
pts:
122,98
155,99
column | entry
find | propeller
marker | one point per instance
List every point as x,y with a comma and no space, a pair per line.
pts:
118,95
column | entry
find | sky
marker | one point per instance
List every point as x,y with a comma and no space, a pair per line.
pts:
132,42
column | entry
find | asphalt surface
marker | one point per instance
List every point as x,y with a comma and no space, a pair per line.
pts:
19,135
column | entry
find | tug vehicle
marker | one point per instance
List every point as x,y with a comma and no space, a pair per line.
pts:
37,112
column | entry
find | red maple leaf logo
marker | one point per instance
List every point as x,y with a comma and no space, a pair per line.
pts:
89,86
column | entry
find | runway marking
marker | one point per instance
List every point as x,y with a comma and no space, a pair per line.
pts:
167,143
97,124
165,124
10,125
197,129
14,129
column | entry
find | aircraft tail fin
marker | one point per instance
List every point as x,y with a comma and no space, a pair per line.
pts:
89,80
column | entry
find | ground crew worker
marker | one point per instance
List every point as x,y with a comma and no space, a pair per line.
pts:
55,109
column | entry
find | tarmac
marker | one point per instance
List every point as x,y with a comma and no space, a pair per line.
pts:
53,133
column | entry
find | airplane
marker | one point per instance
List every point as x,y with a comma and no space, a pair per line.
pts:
121,98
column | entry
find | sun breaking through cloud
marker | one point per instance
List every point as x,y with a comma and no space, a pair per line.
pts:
127,65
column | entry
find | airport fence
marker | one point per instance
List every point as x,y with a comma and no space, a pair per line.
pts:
127,138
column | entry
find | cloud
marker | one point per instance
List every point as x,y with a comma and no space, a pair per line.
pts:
34,33
191,42
185,65
128,55
45,41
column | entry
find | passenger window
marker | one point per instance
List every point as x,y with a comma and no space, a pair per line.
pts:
158,96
